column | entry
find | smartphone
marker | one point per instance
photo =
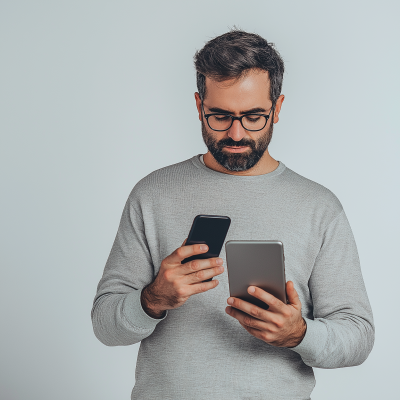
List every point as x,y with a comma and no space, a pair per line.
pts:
259,263
210,230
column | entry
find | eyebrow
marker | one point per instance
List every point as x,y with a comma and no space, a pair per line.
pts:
251,111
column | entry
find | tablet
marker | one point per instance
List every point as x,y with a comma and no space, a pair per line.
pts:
257,263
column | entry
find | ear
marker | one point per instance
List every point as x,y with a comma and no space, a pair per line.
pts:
198,105
278,108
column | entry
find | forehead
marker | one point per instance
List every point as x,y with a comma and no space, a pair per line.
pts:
249,91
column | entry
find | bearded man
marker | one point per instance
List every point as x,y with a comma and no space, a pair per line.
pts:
196,341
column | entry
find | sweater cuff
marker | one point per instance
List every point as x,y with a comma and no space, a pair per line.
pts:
134,313
313,342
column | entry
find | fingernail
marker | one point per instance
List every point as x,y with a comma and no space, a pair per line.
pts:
230,301
221,269
219,261
203,247
252,289
228,310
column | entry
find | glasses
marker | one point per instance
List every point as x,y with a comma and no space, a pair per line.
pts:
222,122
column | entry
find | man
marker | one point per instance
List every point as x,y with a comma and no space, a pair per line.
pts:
196,341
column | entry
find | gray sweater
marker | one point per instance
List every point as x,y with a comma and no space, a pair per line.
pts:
197,351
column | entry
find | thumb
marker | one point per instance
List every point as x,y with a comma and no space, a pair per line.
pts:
293,297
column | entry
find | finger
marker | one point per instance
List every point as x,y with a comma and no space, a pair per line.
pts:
293,297
248,320
201,287
203,274
255,332
186,251
250,309
195,266
273,303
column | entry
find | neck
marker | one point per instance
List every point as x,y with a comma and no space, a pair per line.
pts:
264,166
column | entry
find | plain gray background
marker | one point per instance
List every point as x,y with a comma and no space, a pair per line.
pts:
95,95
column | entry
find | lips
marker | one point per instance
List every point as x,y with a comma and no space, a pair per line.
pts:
236,149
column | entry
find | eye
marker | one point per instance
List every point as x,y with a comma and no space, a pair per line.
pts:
222,117
252,118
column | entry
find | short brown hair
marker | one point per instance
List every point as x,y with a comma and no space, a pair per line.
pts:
232,54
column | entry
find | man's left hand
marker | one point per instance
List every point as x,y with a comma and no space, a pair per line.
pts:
281,325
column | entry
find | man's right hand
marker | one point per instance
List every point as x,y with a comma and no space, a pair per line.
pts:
176,282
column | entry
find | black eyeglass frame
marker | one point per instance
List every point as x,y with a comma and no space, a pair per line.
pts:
233,118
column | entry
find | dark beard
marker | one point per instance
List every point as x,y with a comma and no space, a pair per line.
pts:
237,161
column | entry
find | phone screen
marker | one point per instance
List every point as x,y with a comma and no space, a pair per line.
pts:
210,230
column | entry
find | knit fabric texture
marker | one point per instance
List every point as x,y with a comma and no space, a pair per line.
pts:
199,352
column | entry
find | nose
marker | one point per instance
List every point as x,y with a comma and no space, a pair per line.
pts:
236,131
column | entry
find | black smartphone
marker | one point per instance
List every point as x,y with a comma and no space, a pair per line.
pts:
210,230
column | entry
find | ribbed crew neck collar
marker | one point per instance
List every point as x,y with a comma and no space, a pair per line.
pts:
198,164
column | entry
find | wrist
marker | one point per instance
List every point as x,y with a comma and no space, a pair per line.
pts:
149,304
301,332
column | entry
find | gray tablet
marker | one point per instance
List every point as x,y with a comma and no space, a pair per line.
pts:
259,263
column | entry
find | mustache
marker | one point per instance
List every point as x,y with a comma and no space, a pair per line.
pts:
231,143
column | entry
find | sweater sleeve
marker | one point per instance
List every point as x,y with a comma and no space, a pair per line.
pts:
118,318
341,334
